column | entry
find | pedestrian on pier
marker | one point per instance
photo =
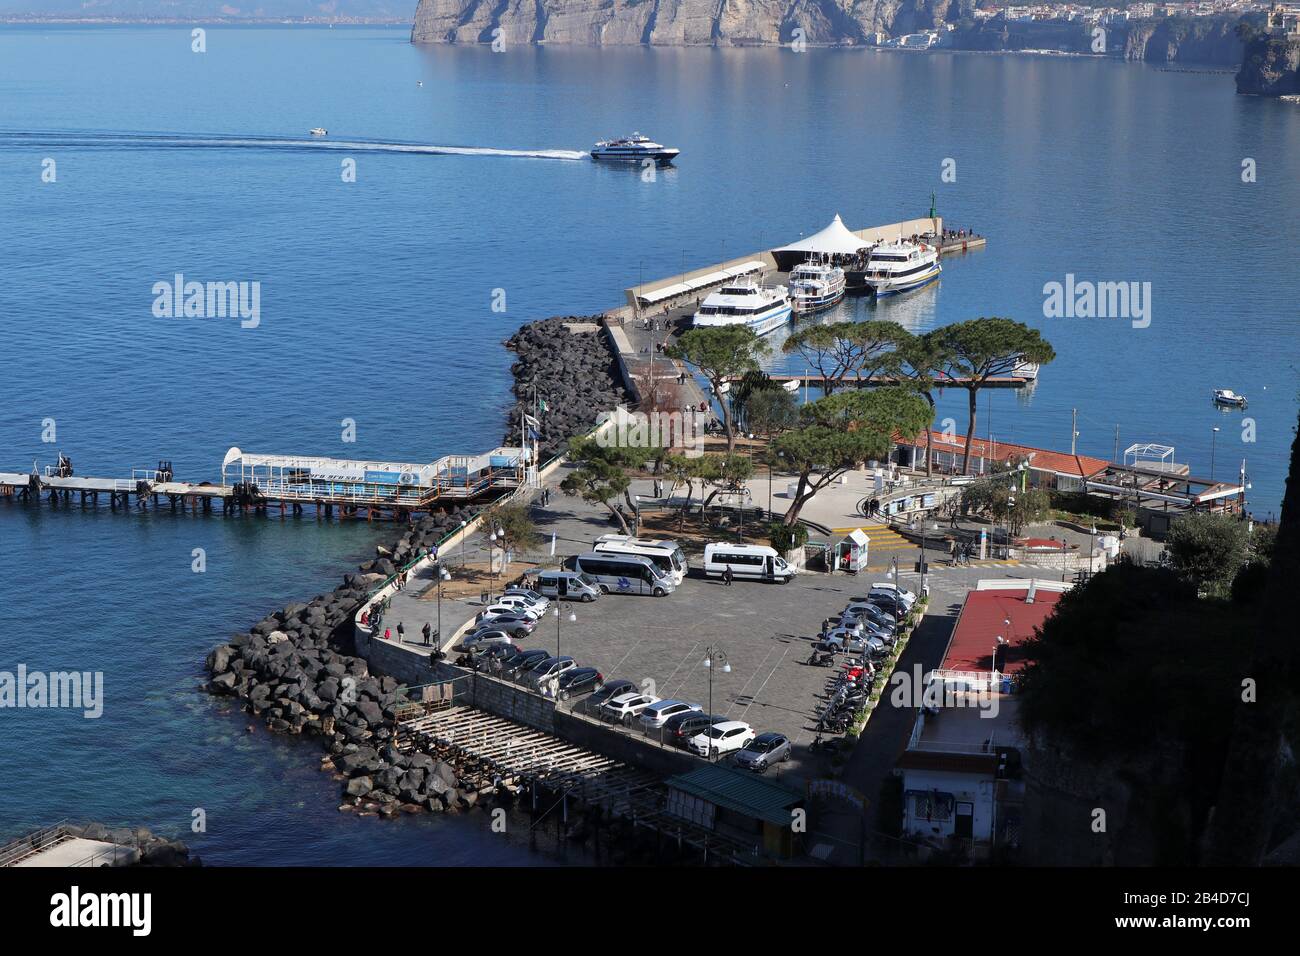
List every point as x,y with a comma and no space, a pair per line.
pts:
388,635
401,632
427,631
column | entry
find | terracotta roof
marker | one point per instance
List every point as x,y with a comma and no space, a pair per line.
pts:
981,621
1040,459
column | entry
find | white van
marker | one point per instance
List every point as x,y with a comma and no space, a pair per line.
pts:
567,585
623,573
753,562
666,555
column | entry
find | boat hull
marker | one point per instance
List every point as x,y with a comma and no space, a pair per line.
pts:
761,325
661,158
886,287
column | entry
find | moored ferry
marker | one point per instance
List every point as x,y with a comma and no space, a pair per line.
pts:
633,149
815,285
745,302
901,266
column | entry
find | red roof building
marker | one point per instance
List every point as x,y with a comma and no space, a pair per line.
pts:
1047,469
998,609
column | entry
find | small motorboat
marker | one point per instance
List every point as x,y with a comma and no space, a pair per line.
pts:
319,131
1227,398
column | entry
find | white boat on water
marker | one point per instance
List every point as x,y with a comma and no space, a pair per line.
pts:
815,285
633,149
319,131
744,302
901,267
1228,398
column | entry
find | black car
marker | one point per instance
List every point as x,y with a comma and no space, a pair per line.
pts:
610,691
523,661
680,728
580,680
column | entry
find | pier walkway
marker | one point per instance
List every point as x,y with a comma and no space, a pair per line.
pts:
288,483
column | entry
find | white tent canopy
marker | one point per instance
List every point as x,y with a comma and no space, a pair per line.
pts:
835,239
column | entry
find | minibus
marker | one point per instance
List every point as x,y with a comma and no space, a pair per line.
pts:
747,561
666,555
623,573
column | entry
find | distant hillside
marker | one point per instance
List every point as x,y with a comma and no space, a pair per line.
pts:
196,9
1270,66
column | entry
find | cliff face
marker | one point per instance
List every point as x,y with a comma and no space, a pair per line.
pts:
1270,67
674,22
1210,40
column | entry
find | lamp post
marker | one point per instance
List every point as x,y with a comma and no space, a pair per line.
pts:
492,567
443,575
572,619
462,542
712,655
1214,438
993,676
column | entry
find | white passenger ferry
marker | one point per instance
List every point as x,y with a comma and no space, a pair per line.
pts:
633,149
745,302
901,266
815,285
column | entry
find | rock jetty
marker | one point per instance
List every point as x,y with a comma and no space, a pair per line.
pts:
154,850
294,671
574,373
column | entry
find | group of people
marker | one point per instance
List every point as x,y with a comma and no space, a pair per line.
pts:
959,552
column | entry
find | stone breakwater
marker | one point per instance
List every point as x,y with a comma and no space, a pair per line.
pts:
293,670
574,373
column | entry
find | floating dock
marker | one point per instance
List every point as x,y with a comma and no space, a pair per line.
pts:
257,483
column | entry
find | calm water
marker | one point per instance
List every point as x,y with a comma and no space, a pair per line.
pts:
377,296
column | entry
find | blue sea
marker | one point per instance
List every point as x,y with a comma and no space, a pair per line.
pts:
377,306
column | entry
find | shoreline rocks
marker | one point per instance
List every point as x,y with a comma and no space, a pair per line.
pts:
575,374
154,850
296,671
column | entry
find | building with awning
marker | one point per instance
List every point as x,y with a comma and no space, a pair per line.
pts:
835,240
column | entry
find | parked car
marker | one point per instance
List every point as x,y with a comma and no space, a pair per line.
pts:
530,595
485,638
522,603
568,585
610,690
494,611
908,597
489,656
518,626
871,612
580,680
653,717
763,751
723,738
550,667
522,661
680,728
625,707
841,641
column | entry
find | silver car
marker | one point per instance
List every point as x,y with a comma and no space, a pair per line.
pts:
763,751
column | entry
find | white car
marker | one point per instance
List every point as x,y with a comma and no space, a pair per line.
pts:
903,594
723,738
626,706
504,610
657,714
525,598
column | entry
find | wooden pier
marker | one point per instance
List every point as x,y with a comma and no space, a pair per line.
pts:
289,485
492,753
877,381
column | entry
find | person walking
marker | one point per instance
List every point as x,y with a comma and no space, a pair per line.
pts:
427,631
726,576
952,552
401,632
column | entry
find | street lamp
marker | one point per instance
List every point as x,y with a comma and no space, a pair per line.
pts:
993,676
462,542
492,567
714,654
443,575
1214,438
572,619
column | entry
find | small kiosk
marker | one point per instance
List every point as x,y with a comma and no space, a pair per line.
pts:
851,551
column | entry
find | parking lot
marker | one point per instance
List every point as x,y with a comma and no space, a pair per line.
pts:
764,631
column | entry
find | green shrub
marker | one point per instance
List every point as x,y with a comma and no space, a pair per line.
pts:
786,538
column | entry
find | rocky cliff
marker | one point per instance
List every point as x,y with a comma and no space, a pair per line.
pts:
1270,67
675,22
